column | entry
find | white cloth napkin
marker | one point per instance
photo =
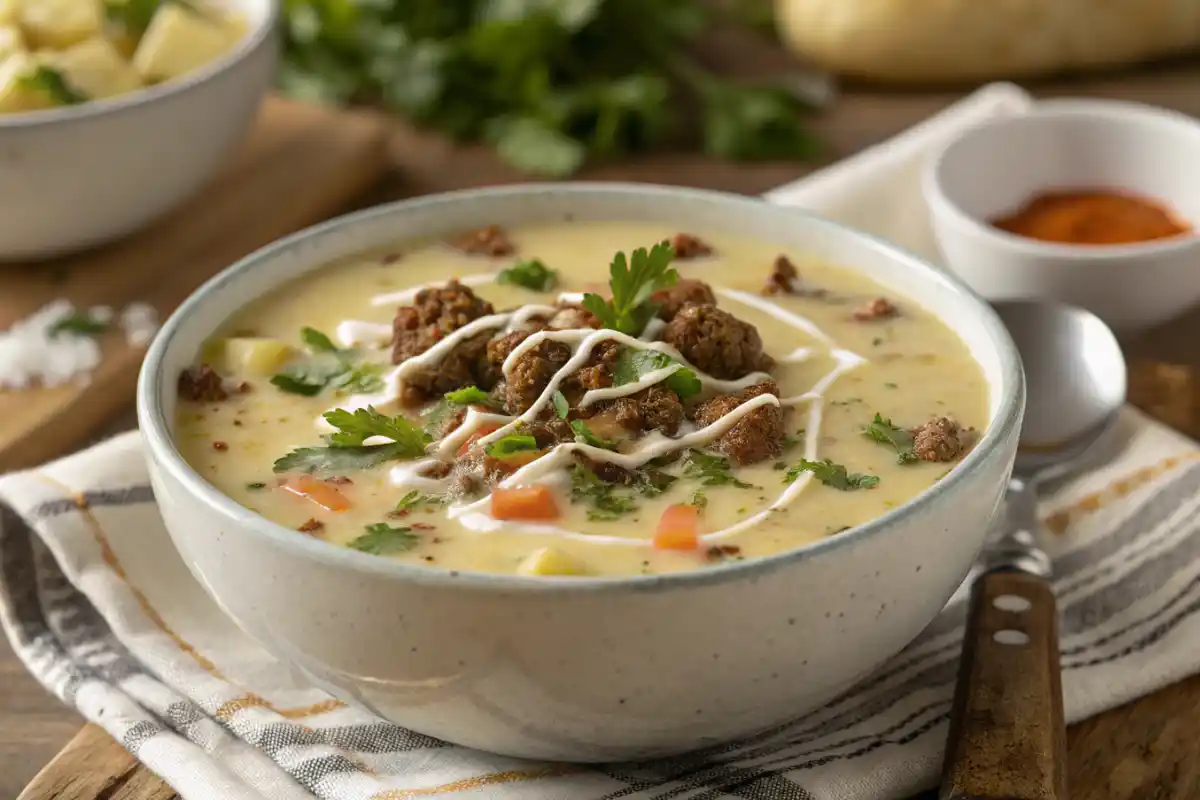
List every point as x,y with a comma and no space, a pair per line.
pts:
100,608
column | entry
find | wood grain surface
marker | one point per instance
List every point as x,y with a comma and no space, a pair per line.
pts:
1142,751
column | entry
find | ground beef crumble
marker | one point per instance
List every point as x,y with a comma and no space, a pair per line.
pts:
487,241
312,526
757,436
202,383
435,313
687,292
653,408
687,247
941,439
717,342
784,277
879,308
531,374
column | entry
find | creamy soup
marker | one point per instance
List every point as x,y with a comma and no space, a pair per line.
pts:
558,407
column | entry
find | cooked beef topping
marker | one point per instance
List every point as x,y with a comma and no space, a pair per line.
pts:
756,436
532,373
597,372
441,425
465,365
434,313
488,241
311,526
717,342
437,470
940,439
879,308
499,348
202,383
653,408
720,552
687,247
549,433
688,291
607,471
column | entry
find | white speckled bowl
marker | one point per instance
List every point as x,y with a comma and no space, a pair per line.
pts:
585,669
80,176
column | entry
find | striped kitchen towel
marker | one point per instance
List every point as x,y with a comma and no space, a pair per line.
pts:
100,607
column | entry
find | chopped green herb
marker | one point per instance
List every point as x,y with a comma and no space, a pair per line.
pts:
382,539
884,432
584,435
699,498
347,451
511,445
632,365
607,501
890,385
78,323
254,487
531,274
779,465
632,282
832,475
470,395
415,499
328,367
711,470
653,482
561,407
317,342
877,341
51,83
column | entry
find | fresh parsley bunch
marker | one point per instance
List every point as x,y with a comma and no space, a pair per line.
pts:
550,83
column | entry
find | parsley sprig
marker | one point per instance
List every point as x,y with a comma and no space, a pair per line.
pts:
531,274
633,365
52,84
882,430
585,435
632,281
382,539
832,475
346,450
711,470
328,366
609,501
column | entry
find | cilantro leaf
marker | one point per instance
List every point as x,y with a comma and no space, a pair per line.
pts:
561,407
318,342
711,470
606,500
882,430
77,323
584,435
632,365
328,367
511,445
51,83
632,281
355,427
337,460
470,395
832,475
346,450
382,539
531,274
415,499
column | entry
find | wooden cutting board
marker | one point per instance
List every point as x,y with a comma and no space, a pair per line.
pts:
301,164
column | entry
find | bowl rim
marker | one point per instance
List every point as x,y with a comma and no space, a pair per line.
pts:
161,451
250,43
1100,111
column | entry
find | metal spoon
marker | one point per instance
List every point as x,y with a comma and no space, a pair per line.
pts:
1007,737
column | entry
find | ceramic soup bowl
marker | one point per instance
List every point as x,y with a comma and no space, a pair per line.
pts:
579,668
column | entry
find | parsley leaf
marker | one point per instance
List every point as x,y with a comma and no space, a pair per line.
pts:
606,500
77,323
585,435
415,499
470,395
884,432
511,445
51,83
711,470
346,450
561,407
832,475
531,274
382,539
633,365
328,367
632,282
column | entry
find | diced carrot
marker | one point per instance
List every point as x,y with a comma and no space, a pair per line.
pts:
678,528
515,461
525,502
480,432
326,495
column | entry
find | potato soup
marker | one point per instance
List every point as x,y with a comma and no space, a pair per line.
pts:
579,398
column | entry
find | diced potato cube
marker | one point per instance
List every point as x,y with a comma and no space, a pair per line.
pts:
179,41
11,40
15,93
256,356
95,68
550,561
60,23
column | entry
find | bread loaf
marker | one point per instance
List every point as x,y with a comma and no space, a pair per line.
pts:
952,41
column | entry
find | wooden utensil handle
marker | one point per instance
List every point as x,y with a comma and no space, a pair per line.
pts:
1007,739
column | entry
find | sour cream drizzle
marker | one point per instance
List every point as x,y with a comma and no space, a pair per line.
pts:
550,467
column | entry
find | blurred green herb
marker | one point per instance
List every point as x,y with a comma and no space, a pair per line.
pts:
53,84
549,83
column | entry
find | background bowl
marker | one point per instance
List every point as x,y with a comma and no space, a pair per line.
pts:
584,669
993,168
79,176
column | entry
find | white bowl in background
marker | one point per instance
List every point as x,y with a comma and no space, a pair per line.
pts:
79,176
993,168
584,669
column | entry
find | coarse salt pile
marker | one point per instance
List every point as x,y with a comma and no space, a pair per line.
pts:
31,355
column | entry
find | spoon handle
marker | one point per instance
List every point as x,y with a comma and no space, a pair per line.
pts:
1007,738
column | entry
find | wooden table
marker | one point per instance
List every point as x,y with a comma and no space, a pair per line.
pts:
1144,750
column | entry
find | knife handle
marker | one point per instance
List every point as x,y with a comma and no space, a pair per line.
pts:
1007,738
